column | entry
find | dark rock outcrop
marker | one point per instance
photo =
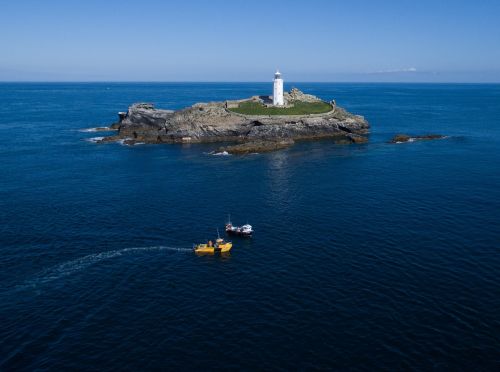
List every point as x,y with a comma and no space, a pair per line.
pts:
257,146
400,138
213,122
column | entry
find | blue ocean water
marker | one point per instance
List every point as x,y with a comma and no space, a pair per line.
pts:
375,256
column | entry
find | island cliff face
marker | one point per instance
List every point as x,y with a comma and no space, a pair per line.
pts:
215,122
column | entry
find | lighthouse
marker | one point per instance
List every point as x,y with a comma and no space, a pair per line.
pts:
278,90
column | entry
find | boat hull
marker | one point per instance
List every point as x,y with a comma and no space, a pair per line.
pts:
203,249
238,233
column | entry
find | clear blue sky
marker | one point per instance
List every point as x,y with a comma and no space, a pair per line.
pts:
187,40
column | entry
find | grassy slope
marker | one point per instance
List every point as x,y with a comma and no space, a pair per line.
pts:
299,108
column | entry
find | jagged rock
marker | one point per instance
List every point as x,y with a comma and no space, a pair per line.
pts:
213,122
400,138
297,95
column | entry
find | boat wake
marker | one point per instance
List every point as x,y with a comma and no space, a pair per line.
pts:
70,267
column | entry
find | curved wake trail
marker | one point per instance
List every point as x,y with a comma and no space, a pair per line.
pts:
67,268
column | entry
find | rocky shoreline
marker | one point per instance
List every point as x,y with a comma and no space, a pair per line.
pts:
215,122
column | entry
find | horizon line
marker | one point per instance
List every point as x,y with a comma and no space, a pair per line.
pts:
233,82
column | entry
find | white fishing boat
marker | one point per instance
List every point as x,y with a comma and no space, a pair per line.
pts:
244,230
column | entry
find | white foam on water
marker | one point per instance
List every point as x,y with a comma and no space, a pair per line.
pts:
122,141
414,139
97,129
223,153
94,139
70,267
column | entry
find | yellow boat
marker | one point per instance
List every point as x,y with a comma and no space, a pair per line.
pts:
209,248
224,246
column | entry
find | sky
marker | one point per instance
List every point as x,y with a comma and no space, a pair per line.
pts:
188,40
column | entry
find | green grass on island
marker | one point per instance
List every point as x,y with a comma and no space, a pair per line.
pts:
299,108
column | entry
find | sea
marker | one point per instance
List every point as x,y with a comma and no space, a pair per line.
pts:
374,256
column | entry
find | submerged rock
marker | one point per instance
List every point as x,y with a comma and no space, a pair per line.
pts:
400,138
256,147
215,122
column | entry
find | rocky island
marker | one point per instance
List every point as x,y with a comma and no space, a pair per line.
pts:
256,124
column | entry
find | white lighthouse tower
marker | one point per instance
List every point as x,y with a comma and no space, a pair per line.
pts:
278,90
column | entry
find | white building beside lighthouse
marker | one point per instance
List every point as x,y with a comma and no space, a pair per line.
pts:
278,90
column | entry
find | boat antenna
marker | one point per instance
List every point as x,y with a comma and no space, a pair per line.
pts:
218,236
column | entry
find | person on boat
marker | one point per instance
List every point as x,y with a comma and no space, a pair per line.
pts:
210,244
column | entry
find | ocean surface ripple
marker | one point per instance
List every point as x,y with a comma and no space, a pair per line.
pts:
366,257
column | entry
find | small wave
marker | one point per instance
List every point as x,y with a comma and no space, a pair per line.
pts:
94,139
97,129
70,267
